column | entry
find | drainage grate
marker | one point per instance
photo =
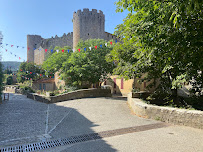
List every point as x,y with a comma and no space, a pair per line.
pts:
81,138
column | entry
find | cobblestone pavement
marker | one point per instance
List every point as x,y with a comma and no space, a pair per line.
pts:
23,121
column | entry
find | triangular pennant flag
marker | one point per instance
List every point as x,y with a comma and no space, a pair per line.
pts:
68,51
63,51
6,44
11,45
15,55
57,51
6,50
111,43
17,46
11,52
84,49
19,58
23,47
106,44
90,48
30,72
101,46
28,48
45,50
51,51
79,50
95,47
116,41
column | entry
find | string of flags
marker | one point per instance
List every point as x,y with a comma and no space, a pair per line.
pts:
14,55
38,74
46,50
90,48
11,45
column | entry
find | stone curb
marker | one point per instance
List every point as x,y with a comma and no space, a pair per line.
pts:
191,118
83,93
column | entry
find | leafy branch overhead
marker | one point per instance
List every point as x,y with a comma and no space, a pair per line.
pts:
161,38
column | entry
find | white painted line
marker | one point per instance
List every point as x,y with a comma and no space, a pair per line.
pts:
47,120
63,118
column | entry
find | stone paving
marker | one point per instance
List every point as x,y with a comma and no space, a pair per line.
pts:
23,121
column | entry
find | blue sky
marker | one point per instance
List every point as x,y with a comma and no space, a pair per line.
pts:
18,18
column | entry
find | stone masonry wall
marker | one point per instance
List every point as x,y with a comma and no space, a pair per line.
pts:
88,25
192,118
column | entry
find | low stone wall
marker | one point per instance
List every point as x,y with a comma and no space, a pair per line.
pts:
10,89
192,118
83,93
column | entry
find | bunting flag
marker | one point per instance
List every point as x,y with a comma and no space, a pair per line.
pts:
106,44
51,51
84,49
63,51
28,48
57,51
6,50
101,46
17,46
45,50
19,58
111,43
30,72
116,41
68,51
79,50
95,47
90,48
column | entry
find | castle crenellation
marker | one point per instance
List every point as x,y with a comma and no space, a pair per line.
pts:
86,25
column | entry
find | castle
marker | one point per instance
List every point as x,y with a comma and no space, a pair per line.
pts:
86,25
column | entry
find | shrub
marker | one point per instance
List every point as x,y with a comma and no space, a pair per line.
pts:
9,80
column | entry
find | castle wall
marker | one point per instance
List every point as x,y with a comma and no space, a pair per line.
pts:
33,42
109,36
87,25
39,56
65,40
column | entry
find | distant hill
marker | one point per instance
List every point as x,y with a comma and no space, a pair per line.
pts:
11,64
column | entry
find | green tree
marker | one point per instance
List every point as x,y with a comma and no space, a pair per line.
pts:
1,80
29,70
162,39
9,80
87,66
55,61
1,70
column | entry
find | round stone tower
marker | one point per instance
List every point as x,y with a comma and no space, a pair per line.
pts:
33,41
87,25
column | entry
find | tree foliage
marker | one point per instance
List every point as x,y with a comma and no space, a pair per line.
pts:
87,66
163,39
29,70
1,70
55,61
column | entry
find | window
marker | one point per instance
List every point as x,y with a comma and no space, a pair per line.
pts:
44,86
